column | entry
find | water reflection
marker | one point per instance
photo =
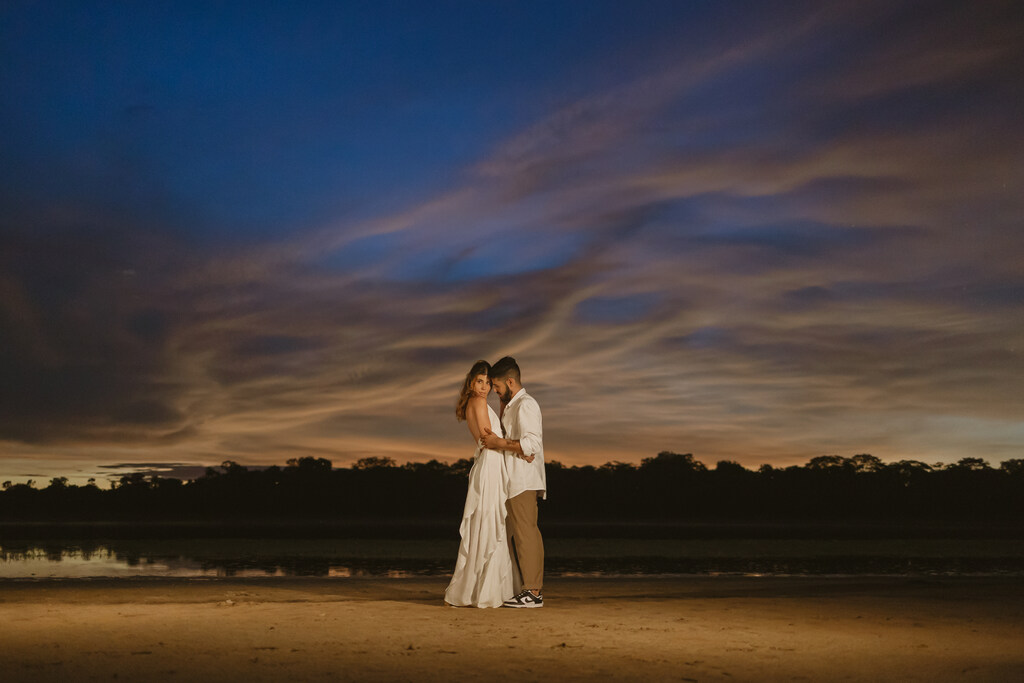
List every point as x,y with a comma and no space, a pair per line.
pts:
401,558
225,558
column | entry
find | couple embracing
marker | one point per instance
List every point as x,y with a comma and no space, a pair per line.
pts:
501,556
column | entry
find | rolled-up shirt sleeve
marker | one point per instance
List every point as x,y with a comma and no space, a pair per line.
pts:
531,429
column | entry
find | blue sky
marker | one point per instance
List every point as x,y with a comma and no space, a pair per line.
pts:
250,119
751,231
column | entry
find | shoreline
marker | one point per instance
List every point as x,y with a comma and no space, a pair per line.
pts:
693,628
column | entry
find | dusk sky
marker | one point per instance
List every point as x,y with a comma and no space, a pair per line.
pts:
757,231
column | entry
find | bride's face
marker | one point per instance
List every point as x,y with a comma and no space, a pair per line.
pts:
481,386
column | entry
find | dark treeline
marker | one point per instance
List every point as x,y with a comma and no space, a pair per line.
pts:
668,487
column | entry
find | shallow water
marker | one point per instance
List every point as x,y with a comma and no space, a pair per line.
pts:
247,557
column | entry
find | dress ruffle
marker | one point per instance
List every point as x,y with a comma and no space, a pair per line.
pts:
483,575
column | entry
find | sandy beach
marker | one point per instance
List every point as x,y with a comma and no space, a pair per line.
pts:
692,629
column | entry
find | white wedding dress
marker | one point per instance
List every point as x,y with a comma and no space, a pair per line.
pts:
483,570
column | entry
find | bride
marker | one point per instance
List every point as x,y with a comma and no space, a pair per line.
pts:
483,570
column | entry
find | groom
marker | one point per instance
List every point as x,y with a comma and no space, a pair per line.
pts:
521,424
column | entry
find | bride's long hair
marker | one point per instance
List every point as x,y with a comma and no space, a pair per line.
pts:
481,367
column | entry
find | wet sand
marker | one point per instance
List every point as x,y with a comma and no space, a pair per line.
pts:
691,629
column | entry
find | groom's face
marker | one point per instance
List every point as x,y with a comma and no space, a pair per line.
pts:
502,389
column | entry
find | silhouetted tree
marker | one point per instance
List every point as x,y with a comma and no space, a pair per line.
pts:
907,470
372,463
136,480
461,466
971,465
310,464
1013,467
866,463
828,462
232,468
730,468
676,463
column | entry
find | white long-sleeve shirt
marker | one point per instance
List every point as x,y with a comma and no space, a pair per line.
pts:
522,421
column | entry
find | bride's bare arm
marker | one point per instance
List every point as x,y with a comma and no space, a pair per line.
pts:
476,417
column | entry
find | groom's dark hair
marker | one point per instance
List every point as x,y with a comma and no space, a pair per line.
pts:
506,367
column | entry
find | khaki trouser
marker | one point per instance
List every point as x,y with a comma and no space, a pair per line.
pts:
524,540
